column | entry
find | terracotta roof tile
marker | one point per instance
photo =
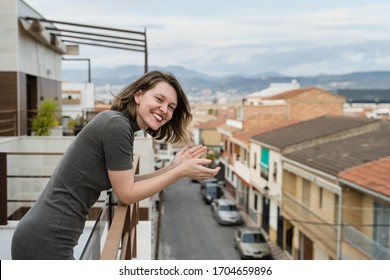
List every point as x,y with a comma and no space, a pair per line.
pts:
211,124
296,92
374,175
227,129
290,93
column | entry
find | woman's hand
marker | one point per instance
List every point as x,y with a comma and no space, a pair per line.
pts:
188,153
194,168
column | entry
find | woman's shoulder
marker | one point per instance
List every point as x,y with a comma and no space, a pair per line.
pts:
112,119
110,115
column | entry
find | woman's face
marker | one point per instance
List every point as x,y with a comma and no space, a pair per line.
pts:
155,106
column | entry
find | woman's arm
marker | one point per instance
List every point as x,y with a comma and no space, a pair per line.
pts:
130,191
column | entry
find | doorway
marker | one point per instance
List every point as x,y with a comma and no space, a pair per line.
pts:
32,101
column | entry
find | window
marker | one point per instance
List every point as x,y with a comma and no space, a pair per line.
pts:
255,202
253,238
254,162
381,233
275,173
320,197
264,160
240,113
306,192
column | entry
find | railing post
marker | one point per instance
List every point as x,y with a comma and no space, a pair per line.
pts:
3,189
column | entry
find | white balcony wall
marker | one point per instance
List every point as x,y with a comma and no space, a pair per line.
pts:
241,168
234,123
30,188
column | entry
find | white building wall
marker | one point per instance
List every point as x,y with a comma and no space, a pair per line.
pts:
87,98
21,52
38,60
254,173
8,38
275,167
196,134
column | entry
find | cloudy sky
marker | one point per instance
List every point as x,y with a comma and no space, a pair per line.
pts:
223,37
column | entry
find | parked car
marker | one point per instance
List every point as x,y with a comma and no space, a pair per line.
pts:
252,243
160,162
226,212
211,181
210,192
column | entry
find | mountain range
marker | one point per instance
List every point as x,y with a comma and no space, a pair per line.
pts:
243,84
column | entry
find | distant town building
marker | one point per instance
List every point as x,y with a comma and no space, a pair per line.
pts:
370,103
273,89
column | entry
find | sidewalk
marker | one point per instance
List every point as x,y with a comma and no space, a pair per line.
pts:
276,251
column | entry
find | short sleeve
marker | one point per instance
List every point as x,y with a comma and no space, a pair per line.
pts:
118,141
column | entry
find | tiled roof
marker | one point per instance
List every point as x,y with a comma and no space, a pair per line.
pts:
336,156
290,93
244,136
275,88
296,92
211,124
227,129
374,175
309,130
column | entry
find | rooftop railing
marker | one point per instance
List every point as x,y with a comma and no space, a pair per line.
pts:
113,235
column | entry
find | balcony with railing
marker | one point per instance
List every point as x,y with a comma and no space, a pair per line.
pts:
364,244
112,231
320,230
241,167
8,122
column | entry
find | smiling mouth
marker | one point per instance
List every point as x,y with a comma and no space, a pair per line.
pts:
158,117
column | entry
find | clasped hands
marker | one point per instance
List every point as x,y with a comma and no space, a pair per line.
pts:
192,165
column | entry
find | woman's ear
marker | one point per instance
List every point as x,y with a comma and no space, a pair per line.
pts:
137,97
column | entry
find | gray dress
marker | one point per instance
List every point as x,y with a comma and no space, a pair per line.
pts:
52,227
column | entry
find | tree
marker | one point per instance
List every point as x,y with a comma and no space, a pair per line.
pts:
46,119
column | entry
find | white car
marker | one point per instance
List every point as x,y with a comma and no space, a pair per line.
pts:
252,243
225,212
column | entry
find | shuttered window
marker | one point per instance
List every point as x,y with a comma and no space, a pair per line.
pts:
264,163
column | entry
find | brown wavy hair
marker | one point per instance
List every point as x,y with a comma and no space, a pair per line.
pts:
176,129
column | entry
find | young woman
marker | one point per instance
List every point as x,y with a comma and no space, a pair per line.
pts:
100,158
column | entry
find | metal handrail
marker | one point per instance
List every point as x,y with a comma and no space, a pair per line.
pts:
8,120
122,220
121,242
121,239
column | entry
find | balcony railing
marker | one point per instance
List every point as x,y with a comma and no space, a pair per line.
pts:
320,230
365,244
8,123
114,234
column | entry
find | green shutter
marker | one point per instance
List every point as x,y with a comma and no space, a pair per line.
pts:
264,160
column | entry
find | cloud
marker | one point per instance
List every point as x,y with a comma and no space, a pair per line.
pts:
226,37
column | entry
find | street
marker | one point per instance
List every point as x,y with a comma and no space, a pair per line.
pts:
188,229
